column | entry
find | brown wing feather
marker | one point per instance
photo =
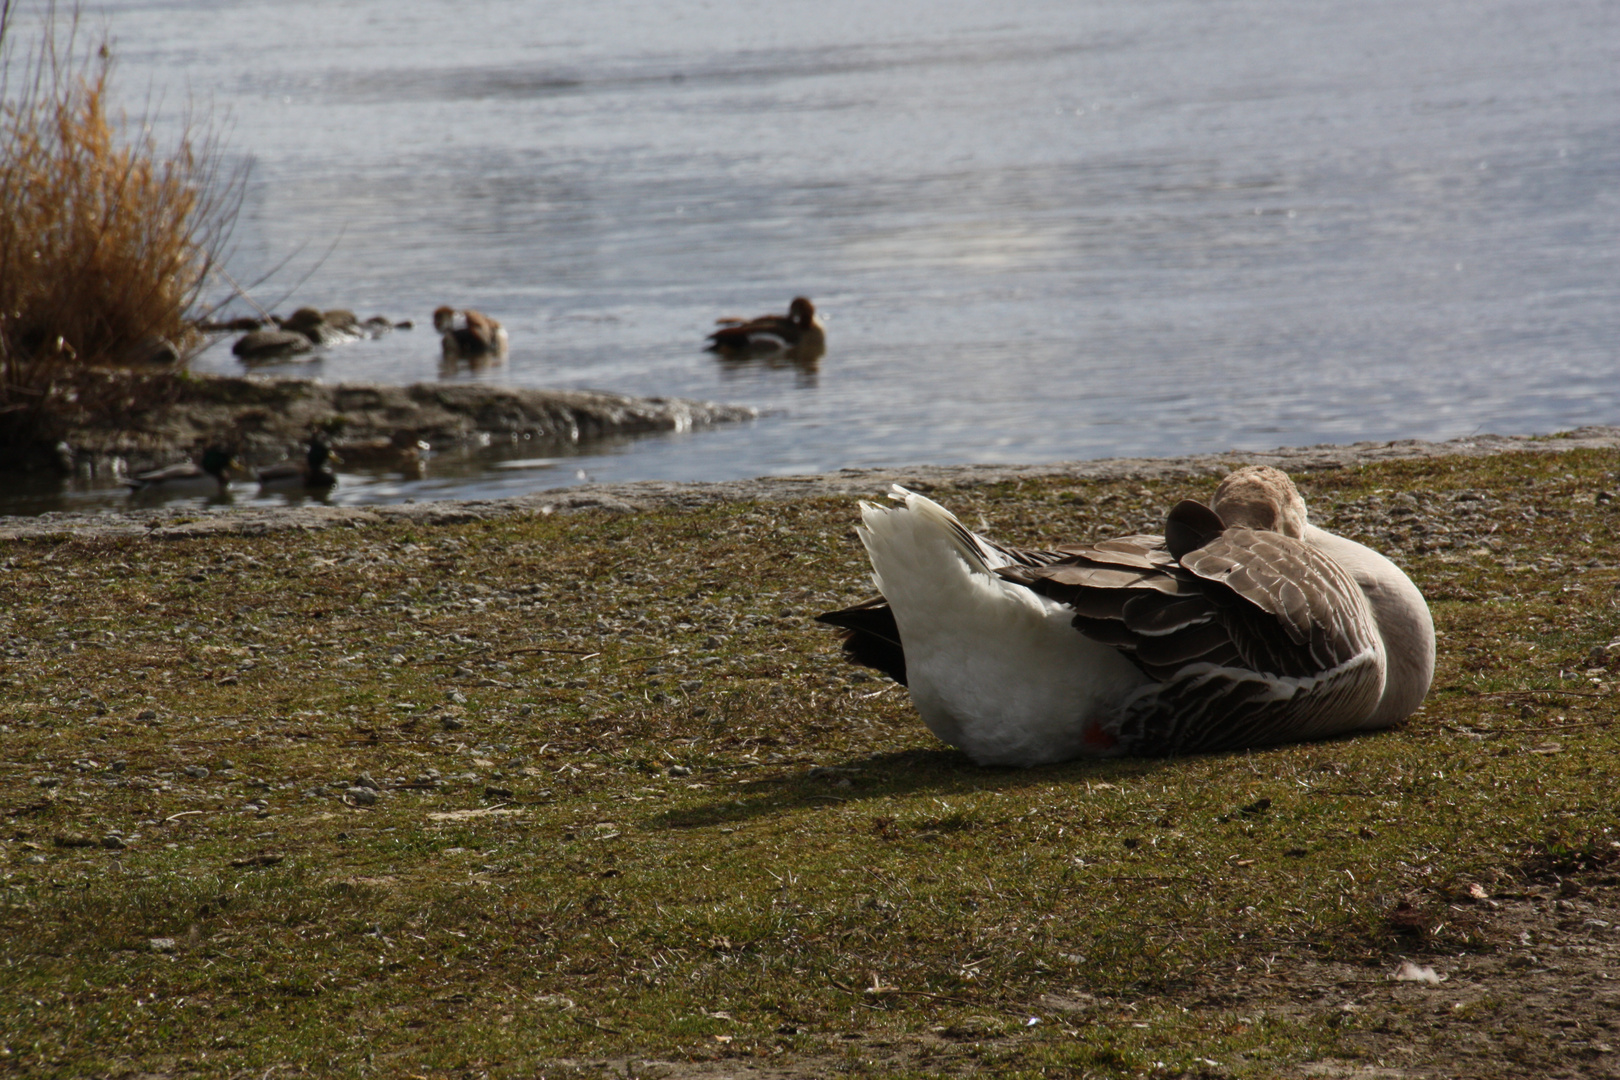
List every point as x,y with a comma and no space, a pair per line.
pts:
1252,637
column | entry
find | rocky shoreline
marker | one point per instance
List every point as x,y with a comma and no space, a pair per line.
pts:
655,495
265,419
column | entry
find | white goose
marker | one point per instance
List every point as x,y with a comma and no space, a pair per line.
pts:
1244,625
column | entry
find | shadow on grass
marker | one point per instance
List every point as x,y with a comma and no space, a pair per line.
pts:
882,776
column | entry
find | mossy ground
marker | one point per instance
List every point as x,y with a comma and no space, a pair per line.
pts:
591,792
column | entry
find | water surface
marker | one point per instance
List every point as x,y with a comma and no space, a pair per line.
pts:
1049,232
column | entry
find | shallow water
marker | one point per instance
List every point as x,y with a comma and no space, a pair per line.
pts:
1058,231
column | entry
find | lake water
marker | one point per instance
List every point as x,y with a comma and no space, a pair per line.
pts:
1037,232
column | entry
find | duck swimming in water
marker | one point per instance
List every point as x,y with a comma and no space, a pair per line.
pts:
1243,625
471,335
314,473
210,477
798,332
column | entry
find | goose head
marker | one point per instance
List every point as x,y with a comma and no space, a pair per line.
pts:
1260,497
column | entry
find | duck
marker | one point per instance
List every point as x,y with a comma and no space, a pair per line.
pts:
210,477
465,334
799,332
402,453
314,473
1242,626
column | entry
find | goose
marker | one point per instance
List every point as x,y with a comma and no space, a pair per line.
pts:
799,332
1242,626
211,477
466,334
314,473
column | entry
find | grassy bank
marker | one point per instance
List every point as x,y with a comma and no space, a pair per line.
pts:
589,793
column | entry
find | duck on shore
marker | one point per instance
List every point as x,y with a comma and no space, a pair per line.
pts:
465,334
209,477
314,473
1242,626
799,332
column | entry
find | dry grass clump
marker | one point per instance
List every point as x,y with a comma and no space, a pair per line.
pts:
105,240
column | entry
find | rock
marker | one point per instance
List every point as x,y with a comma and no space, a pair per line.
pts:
154,350
146,714
162,944
362,796
197,772
238,325
452,723
271,345
114,842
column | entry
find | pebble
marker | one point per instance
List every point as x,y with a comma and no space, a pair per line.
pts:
114,842
162,944
452,723
362,796
146,714
679,770
198,771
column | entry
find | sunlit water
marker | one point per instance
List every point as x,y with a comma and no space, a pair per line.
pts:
1038,232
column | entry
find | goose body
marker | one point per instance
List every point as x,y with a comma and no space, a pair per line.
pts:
1242,626
799,331
208,477
466,334
314,473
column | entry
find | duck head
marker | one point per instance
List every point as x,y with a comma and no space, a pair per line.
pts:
217,461
802,311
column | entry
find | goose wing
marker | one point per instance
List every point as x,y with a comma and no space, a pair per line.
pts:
1251,637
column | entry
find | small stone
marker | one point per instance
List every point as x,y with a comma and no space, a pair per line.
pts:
452,723
197,771
114,842
679,770
146,714
455,697
362,796
493,792
162,944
